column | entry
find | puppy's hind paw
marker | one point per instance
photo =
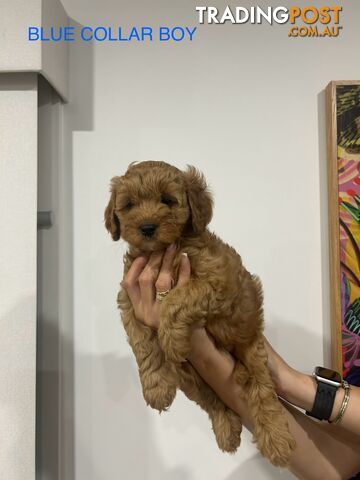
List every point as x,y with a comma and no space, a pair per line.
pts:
227,427
160,398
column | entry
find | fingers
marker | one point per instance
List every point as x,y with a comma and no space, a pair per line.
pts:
148,278
164,280
184,270
131,279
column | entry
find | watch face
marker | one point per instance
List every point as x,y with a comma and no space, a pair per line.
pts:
328,374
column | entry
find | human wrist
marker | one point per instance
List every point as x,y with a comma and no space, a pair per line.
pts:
286,379
338,401
332,395
200,346
299,389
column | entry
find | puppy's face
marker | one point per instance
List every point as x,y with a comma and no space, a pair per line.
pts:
151,205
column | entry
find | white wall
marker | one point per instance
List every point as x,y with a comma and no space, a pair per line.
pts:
245,104
18,201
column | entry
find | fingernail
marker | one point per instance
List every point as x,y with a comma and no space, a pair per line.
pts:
185,254
172,247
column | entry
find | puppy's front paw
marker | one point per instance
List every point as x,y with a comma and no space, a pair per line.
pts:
175,344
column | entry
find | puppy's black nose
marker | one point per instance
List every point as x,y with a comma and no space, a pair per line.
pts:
148,229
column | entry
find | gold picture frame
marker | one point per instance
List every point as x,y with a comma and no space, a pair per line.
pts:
343,144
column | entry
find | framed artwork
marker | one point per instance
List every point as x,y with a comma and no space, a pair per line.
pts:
343,121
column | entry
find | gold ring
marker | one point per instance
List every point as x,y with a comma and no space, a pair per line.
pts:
161,295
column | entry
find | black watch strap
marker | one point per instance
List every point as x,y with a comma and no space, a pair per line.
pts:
324,401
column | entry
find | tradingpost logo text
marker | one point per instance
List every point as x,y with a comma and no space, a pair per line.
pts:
306,21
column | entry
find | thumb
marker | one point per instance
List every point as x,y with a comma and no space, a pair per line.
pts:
184,270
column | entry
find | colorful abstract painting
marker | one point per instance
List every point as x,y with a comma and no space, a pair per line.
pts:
348,157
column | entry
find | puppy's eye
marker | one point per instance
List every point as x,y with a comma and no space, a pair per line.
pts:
167,200
128,206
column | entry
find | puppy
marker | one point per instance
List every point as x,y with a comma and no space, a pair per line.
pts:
153,205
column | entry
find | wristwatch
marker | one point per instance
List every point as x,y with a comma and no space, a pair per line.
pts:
328,383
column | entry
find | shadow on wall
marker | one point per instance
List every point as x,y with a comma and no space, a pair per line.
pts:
55,386
77,116
114,436
123,441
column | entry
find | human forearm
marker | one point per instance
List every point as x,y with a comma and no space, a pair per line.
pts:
322,451
216,368
295,387
300,389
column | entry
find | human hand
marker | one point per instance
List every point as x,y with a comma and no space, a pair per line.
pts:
148,275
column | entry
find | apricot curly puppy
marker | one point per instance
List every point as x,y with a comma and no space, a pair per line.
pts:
153,205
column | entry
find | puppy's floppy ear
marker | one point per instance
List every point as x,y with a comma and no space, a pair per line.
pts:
199,198
112,222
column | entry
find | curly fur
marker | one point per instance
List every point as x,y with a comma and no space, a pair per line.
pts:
221,295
